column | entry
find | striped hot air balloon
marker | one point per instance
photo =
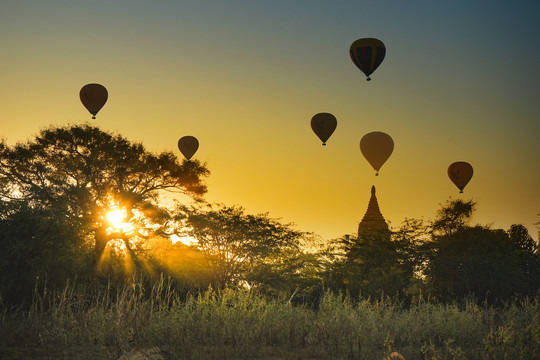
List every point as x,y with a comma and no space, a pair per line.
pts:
367,54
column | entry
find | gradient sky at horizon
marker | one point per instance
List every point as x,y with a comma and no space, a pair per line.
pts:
459,83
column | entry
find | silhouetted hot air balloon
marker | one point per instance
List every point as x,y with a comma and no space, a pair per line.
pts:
367,54
93,97
376,148
460,173
188,146
323,125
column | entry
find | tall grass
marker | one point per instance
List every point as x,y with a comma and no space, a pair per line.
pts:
133,322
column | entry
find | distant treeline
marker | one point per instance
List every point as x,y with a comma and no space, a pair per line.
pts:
59,190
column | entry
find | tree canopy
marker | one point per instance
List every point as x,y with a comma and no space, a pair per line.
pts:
490,264
74,176
84,172
234,242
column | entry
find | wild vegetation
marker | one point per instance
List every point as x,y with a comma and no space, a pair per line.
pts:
88,266
237,324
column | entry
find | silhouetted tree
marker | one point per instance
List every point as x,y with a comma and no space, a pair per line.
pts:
452,216
412,242
482,262
38,248
76,174
293,273
492,265
372,264
537,224
520,237
234,242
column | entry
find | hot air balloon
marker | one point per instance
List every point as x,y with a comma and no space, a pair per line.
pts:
323,125
367,54
188,146
376,148
93,97
460,173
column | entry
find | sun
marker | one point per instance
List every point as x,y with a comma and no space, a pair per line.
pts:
116,218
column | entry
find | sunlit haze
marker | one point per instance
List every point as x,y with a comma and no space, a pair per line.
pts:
187,240
459,83
116,217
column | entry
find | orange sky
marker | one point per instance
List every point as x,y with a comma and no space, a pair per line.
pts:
459,83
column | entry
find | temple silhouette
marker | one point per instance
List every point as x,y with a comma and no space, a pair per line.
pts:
373,221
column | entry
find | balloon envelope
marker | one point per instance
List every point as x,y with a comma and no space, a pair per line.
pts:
367,54
323,125
188,146
460,173
376,148
93,97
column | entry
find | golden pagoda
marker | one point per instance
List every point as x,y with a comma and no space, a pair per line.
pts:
373,219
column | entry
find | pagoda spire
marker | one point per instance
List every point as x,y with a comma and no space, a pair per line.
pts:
373,219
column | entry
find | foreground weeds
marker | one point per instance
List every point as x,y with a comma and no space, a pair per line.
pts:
133,324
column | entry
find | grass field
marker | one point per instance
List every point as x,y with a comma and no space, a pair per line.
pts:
131,323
